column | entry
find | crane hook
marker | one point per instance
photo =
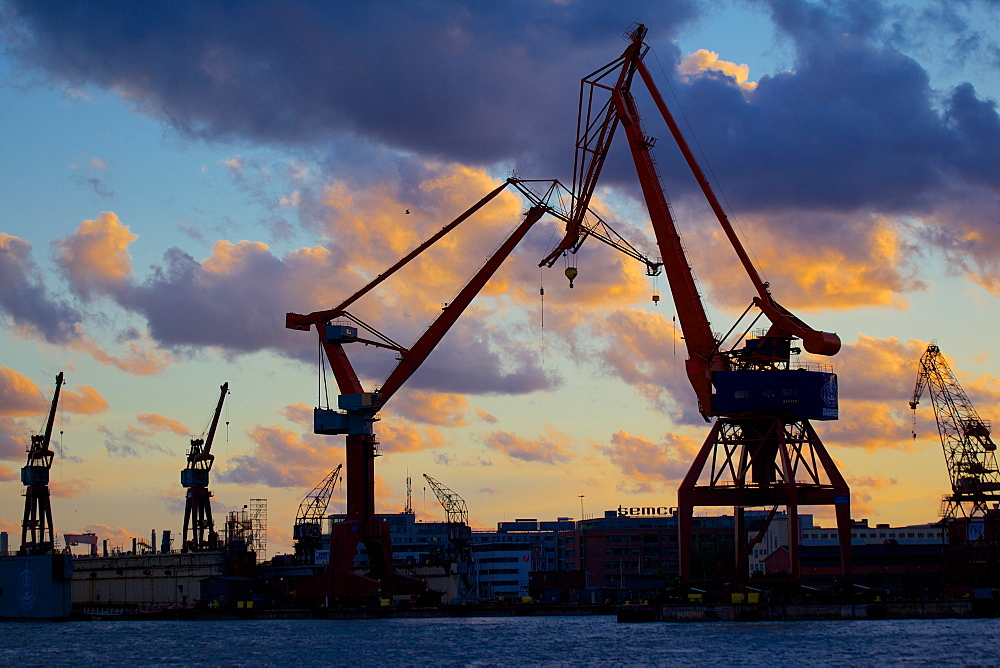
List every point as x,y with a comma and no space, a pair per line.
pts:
571,274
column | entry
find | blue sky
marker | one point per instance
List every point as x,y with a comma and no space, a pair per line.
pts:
178,176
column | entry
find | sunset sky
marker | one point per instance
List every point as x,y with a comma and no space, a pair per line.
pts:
177,176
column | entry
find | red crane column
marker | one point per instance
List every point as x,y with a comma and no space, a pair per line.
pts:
358,413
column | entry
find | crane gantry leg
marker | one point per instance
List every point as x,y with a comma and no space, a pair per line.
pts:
760,462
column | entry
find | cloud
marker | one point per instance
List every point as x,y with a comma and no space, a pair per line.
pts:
154,422
84,401
281,458
68,489
553,449
26,300
7,474
648,465
703,61
96,258
19,396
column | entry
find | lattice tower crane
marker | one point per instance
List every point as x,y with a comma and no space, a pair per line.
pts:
194,477
969,451
762,450
37,534
456,512
308,530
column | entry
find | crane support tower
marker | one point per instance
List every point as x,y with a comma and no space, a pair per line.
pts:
37,534
762,450
969,450
199,527
359,408
308,530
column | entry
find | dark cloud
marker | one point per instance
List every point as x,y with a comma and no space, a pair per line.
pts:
478,84
25,298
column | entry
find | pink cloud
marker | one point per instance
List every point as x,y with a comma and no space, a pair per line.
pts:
441,409
551,450
95,258
649,465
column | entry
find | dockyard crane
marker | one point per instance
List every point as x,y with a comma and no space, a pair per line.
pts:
455,510
359,409
308,530
37,534
762,448
969,450
194,477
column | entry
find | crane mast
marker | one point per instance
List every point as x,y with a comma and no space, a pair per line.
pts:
762,449
37,534
199,527
969,450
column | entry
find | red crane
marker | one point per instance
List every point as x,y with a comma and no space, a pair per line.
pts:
37,535
358,412
762,448
194,477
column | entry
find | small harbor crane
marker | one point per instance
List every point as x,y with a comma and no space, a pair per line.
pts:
762,450
308,530
199,528
37,535
969,450
456,513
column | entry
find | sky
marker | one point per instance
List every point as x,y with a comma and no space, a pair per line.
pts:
178,176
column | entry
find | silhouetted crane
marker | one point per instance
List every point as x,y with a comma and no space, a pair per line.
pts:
37,535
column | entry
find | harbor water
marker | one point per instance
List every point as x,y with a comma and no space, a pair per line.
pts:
594,640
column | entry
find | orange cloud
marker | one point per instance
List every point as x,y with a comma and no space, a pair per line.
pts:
67,489
85,401
19,396
702,61
876,379
156,422
550,450
871,265
138,360
446,410
395,437
7,474
95,258
650,465
282,459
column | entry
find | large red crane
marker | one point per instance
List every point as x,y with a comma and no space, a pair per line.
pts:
199,527
762,448
37,535
358,410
